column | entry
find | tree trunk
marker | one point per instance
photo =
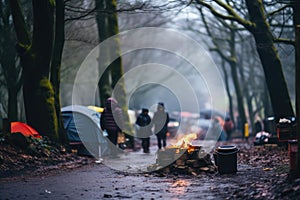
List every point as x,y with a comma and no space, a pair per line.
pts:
10,69
108,26
116,67
297,85
247,97
56,65
12,78
12,104
276,83
40,106
228,91
102,19
296,11
239,96
267,103
236,82
35,59
251,116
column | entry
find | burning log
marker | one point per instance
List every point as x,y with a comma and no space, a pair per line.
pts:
183,158
190,160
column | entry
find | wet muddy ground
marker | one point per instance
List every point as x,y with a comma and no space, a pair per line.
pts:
99,182
262,174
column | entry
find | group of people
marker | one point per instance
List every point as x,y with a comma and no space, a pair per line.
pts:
160,122
112,122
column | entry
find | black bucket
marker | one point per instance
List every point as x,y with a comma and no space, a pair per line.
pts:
226,159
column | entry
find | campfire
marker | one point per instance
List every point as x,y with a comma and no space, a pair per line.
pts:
183,158
184,141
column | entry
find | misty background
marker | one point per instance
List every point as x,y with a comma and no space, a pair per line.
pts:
82,37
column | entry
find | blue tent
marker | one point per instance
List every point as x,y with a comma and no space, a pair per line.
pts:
83,127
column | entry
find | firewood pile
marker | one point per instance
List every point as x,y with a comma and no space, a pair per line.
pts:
191,160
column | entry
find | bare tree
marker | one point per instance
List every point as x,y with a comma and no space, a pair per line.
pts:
259,27
226,49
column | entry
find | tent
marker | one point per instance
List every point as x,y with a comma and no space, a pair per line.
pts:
25,129
96,108
83,127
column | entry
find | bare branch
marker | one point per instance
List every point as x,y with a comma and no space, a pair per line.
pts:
76,10
80,13
277,11
285,41
216,48
233,16
83,41
81,17
277,25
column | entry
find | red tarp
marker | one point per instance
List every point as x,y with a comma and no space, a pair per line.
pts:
25,129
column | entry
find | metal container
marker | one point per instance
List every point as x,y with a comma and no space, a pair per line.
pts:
226,159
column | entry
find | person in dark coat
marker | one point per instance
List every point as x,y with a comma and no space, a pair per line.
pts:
160,121
144,129
112,121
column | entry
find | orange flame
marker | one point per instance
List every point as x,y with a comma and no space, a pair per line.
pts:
185,141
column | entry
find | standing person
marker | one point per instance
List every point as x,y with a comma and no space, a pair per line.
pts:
112,122
160,121
144,131
228,127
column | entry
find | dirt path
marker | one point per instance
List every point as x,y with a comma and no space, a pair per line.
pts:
99,181
262,173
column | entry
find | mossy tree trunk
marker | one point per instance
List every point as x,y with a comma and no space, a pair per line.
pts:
272,66
102,13
108,26
35,54
116,67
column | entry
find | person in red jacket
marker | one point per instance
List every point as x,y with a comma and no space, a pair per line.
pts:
111,121
228,127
